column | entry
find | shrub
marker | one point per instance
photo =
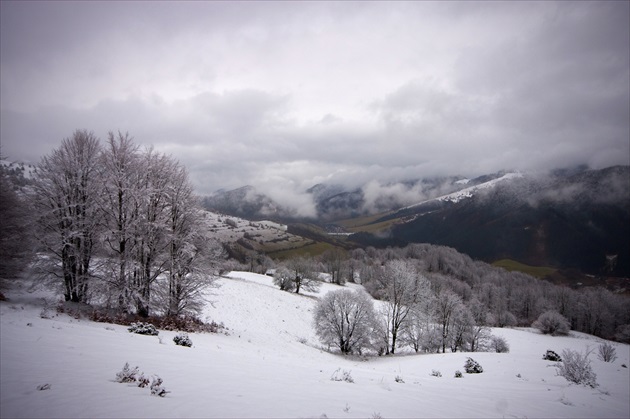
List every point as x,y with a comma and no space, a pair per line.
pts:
127,375
143,329
606,352
399,379
182,339
436,373
552,356
499,344
156,387
143,381
552,323
458,374
472,367
576,368
344,375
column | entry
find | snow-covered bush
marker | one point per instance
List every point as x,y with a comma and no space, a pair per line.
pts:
606,352
499,344
576,368
127,375
143,381
156,387
458,374
182,339
504,319
436,373
472,367
552,323
143,329
552,356
399,379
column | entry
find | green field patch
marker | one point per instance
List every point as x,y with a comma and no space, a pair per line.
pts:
353,224
367,224
312,249
535,271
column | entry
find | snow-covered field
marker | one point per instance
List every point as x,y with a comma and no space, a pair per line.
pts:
272,365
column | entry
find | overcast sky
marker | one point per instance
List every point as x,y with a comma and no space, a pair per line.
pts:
284,95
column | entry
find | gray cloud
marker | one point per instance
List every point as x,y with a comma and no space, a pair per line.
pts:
286,95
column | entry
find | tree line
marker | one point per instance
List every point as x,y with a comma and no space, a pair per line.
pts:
433,298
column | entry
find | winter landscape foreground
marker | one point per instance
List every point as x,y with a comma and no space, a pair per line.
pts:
269,363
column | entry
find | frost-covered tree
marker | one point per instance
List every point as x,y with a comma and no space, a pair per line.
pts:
419,331
404,288
121,207
334,261
345,319
193,257
283,278
65,200
303,273
157,173
447,305
153,227
462,328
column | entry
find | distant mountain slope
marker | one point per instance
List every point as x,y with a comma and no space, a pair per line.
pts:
572,219
244,202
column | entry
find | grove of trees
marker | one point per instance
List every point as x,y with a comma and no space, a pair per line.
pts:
434,299
121,226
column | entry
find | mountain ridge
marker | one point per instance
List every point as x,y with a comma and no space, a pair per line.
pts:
575,218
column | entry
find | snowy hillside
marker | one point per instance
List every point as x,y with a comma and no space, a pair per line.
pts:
259,235
270,364
27,170
470,191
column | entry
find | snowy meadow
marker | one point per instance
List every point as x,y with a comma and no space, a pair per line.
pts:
268,362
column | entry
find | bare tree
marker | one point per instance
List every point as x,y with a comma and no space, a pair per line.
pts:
283,278
156,173
404,288
65,199
121,209
345,319
334,261
303,274
462,328
446,307
418,330
193,258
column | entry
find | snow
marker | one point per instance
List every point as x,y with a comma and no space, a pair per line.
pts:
470,191
263,234
270,364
